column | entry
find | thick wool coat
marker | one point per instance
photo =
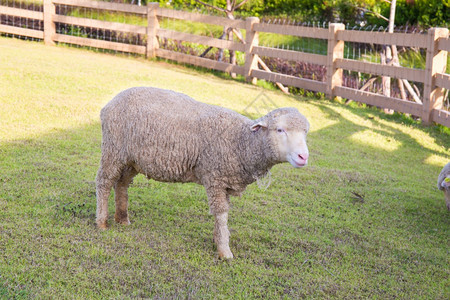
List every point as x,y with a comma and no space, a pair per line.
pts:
168,136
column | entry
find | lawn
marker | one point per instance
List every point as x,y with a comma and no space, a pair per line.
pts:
363,220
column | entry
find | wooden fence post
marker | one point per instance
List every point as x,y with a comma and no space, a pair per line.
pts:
335,51
251,40
49,25
152,29
436,62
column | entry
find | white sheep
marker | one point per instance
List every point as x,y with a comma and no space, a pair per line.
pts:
443,183
168,136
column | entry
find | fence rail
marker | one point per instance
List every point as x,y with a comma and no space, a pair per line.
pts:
384,38
381,70
434,77
22,31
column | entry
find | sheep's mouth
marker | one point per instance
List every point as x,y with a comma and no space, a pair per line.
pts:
297,163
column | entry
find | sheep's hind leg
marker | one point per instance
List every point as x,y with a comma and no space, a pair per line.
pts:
104,182
121,195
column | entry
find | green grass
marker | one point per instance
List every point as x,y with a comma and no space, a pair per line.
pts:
305,236
110,16
23,2
166,23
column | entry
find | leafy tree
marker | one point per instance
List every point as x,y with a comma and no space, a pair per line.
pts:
426,13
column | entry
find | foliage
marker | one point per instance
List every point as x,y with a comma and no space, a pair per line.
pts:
363,220
426,13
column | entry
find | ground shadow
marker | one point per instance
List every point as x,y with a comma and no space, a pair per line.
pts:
48,192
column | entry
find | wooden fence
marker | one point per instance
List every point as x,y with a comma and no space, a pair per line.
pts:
434,77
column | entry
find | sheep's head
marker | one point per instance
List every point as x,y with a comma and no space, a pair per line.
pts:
286,129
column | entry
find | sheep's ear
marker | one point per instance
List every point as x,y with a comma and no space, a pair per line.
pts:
258,125
446,183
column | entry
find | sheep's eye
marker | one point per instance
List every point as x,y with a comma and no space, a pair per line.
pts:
279,130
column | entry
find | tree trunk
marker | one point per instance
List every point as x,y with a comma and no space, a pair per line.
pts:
232,53
231,6
230,11
386,81
388,55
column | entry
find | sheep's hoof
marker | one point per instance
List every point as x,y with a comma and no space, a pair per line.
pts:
102,225
123,221
121,217
225,254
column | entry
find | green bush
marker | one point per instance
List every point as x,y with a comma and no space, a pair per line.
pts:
426,13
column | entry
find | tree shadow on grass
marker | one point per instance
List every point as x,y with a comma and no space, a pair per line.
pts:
401,160
48,201
49,181
55,170
48,205
60,167
399,140
387,123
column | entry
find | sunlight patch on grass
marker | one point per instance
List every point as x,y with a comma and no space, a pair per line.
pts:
319,120
351,117
421,137
436,160
376,140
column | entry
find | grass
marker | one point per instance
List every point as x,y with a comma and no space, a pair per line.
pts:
308,235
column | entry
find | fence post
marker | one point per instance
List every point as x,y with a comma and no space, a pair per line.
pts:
436,62
251,40
49,25
152,29
335,51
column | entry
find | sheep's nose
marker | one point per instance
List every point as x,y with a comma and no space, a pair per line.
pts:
303,156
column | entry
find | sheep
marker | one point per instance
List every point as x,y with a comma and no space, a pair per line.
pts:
170,137
443,183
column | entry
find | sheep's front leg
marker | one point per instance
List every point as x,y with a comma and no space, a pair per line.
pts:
219,206
222,235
